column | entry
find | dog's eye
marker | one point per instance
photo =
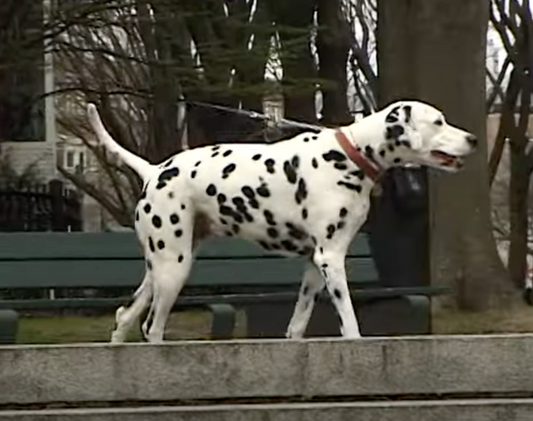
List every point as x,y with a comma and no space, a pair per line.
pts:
438,122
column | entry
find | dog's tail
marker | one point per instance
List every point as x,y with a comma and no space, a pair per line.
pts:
142,167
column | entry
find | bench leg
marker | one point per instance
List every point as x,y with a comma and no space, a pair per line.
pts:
223,321
8,326
421,313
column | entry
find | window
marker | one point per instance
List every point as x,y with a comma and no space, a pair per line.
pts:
70,159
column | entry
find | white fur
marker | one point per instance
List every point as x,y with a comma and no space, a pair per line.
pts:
323,224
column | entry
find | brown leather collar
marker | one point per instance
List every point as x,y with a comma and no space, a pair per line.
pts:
370,167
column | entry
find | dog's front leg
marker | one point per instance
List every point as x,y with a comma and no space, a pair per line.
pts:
331,265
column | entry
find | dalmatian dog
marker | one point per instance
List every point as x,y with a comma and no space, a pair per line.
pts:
307,196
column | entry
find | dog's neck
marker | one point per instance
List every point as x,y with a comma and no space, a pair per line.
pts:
369,137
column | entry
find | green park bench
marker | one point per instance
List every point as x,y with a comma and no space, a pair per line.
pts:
228,275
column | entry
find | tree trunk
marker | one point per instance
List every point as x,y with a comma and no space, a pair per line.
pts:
435,52
293,20
518,190
333,46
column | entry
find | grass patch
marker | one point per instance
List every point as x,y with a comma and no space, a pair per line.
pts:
197,325
76,329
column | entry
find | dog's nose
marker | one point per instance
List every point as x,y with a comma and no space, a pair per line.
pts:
472,140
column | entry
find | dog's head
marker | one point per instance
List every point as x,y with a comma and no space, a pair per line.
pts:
418,133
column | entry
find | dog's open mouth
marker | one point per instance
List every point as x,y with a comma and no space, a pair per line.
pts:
446,160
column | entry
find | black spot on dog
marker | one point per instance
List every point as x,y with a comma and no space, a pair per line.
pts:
182,207
215,155
340,166
306,139
193,174
147,208
405,143
178,233
295,162
343,212
235,228
301,192
275,246
269,217
337,294
314,137
382,153
228,169
394,132
248,192
273,232
334,155
264,244
305,290
148,264
151,244
166,176
160,244
305,214
227,153
180,258
397,160
156,221
290,172
253,203
256,157
241,207
198,163
359,174
215,148
289,245
143,194
269,163
263,190
340,225
226,210
168,163
296,232
369,151
407,110
314,162
350,186
223,221
136,215
174,219
390,148
221,198
331,231
211,190
391,118
171,195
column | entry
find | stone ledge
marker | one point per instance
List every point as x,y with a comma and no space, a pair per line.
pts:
453,410
265,368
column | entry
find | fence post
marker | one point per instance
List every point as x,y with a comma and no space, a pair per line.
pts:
58,205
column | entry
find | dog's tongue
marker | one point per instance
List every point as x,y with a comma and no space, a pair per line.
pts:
443,157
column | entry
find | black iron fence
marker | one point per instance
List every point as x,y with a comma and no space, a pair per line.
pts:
39,207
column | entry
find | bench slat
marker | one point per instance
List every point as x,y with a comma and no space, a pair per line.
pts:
58,245
120,273
204,300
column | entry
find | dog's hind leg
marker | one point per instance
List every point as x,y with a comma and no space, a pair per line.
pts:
126,317
169,278
312,284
